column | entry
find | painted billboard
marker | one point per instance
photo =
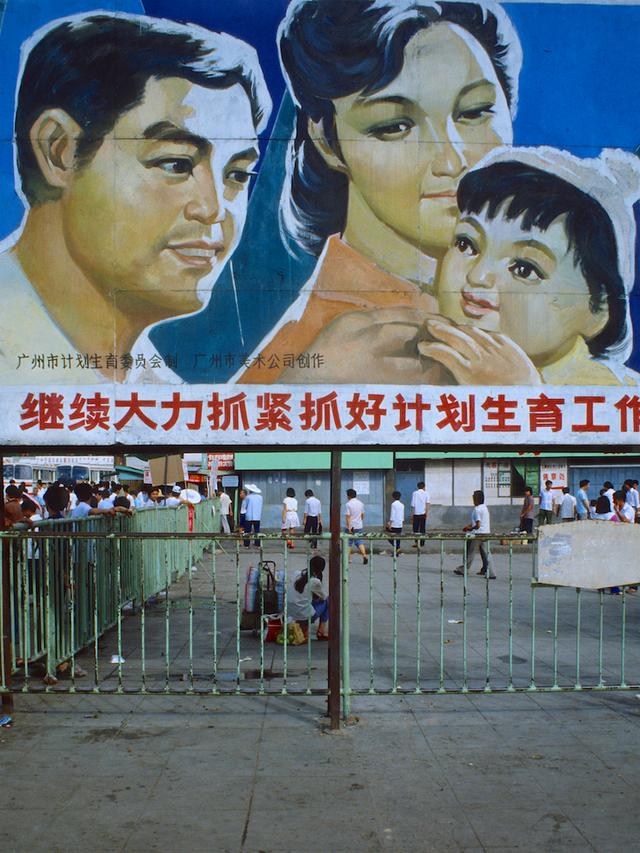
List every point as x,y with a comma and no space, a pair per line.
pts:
319,221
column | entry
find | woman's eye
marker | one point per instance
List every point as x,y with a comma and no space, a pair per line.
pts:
391,130
175,165
476,113
526,271
240,176
466,246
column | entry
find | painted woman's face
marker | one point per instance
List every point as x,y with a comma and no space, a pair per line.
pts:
524,284
406,146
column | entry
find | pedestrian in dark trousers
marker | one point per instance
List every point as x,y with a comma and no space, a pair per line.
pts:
480,523
396,520
545,516
312,516
527,511
419,511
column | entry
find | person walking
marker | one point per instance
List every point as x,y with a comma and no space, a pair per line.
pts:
583,505
567,508
290,518
312,519
528,511
355,523
480,523
545,516
242,496
419,510
253,513
225,511
396,520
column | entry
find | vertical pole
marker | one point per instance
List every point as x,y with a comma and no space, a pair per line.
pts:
5,627
334,592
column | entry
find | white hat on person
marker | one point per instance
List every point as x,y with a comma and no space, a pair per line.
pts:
251,487
176,490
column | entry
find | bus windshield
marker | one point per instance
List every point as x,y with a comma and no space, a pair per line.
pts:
23,472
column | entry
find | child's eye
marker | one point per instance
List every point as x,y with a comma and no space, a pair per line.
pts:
466,246
526,270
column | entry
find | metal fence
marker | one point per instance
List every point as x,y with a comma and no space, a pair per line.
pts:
147,607
411,625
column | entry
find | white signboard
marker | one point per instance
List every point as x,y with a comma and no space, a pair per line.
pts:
316,415
579,554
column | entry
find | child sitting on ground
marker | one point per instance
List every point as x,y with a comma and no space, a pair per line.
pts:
538,278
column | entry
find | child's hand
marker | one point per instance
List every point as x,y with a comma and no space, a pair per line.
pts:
476,357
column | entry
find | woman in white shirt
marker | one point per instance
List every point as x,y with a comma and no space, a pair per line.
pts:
306,599
290,518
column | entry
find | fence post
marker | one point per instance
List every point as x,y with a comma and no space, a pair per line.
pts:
5,627
334,592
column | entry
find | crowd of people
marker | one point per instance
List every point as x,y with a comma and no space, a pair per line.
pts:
67,500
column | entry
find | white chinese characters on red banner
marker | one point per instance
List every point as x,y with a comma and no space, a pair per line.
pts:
370,415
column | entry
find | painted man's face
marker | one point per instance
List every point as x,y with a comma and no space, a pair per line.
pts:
524,284
406,146
162,205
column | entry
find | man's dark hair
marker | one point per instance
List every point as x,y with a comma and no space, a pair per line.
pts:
548,483
396,496
607,485
83,492
96,67
12,492
421,485
620,496
122,502
308,493
351,493
584,483
478,497
56,498
28,505
518,191
565,490
528,490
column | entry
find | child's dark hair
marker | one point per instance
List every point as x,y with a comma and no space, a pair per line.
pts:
539,198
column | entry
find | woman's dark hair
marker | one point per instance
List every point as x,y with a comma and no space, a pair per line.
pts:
316,568
603,505
291,493
518,191
607,484
332,48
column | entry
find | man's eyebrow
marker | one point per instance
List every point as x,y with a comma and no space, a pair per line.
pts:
166,130
251,154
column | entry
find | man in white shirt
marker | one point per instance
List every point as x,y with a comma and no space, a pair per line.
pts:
174,498
545,515
567,506
419,510
396,520
624,511
355,523
312,515
253,513
634,498
480,523
225,509
609,491
582,505
106,499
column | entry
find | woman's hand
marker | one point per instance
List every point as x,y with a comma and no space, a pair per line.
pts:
378,345
476,357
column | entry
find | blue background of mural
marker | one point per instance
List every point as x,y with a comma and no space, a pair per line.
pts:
579,90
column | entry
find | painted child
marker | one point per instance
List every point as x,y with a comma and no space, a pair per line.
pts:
539,274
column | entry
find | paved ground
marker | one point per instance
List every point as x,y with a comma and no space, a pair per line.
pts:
444,773
521,771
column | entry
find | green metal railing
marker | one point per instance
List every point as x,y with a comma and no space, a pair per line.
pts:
410,625
70,580
121,599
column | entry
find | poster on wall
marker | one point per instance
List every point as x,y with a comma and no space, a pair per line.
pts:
319,222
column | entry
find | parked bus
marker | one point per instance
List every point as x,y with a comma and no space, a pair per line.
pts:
30,469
